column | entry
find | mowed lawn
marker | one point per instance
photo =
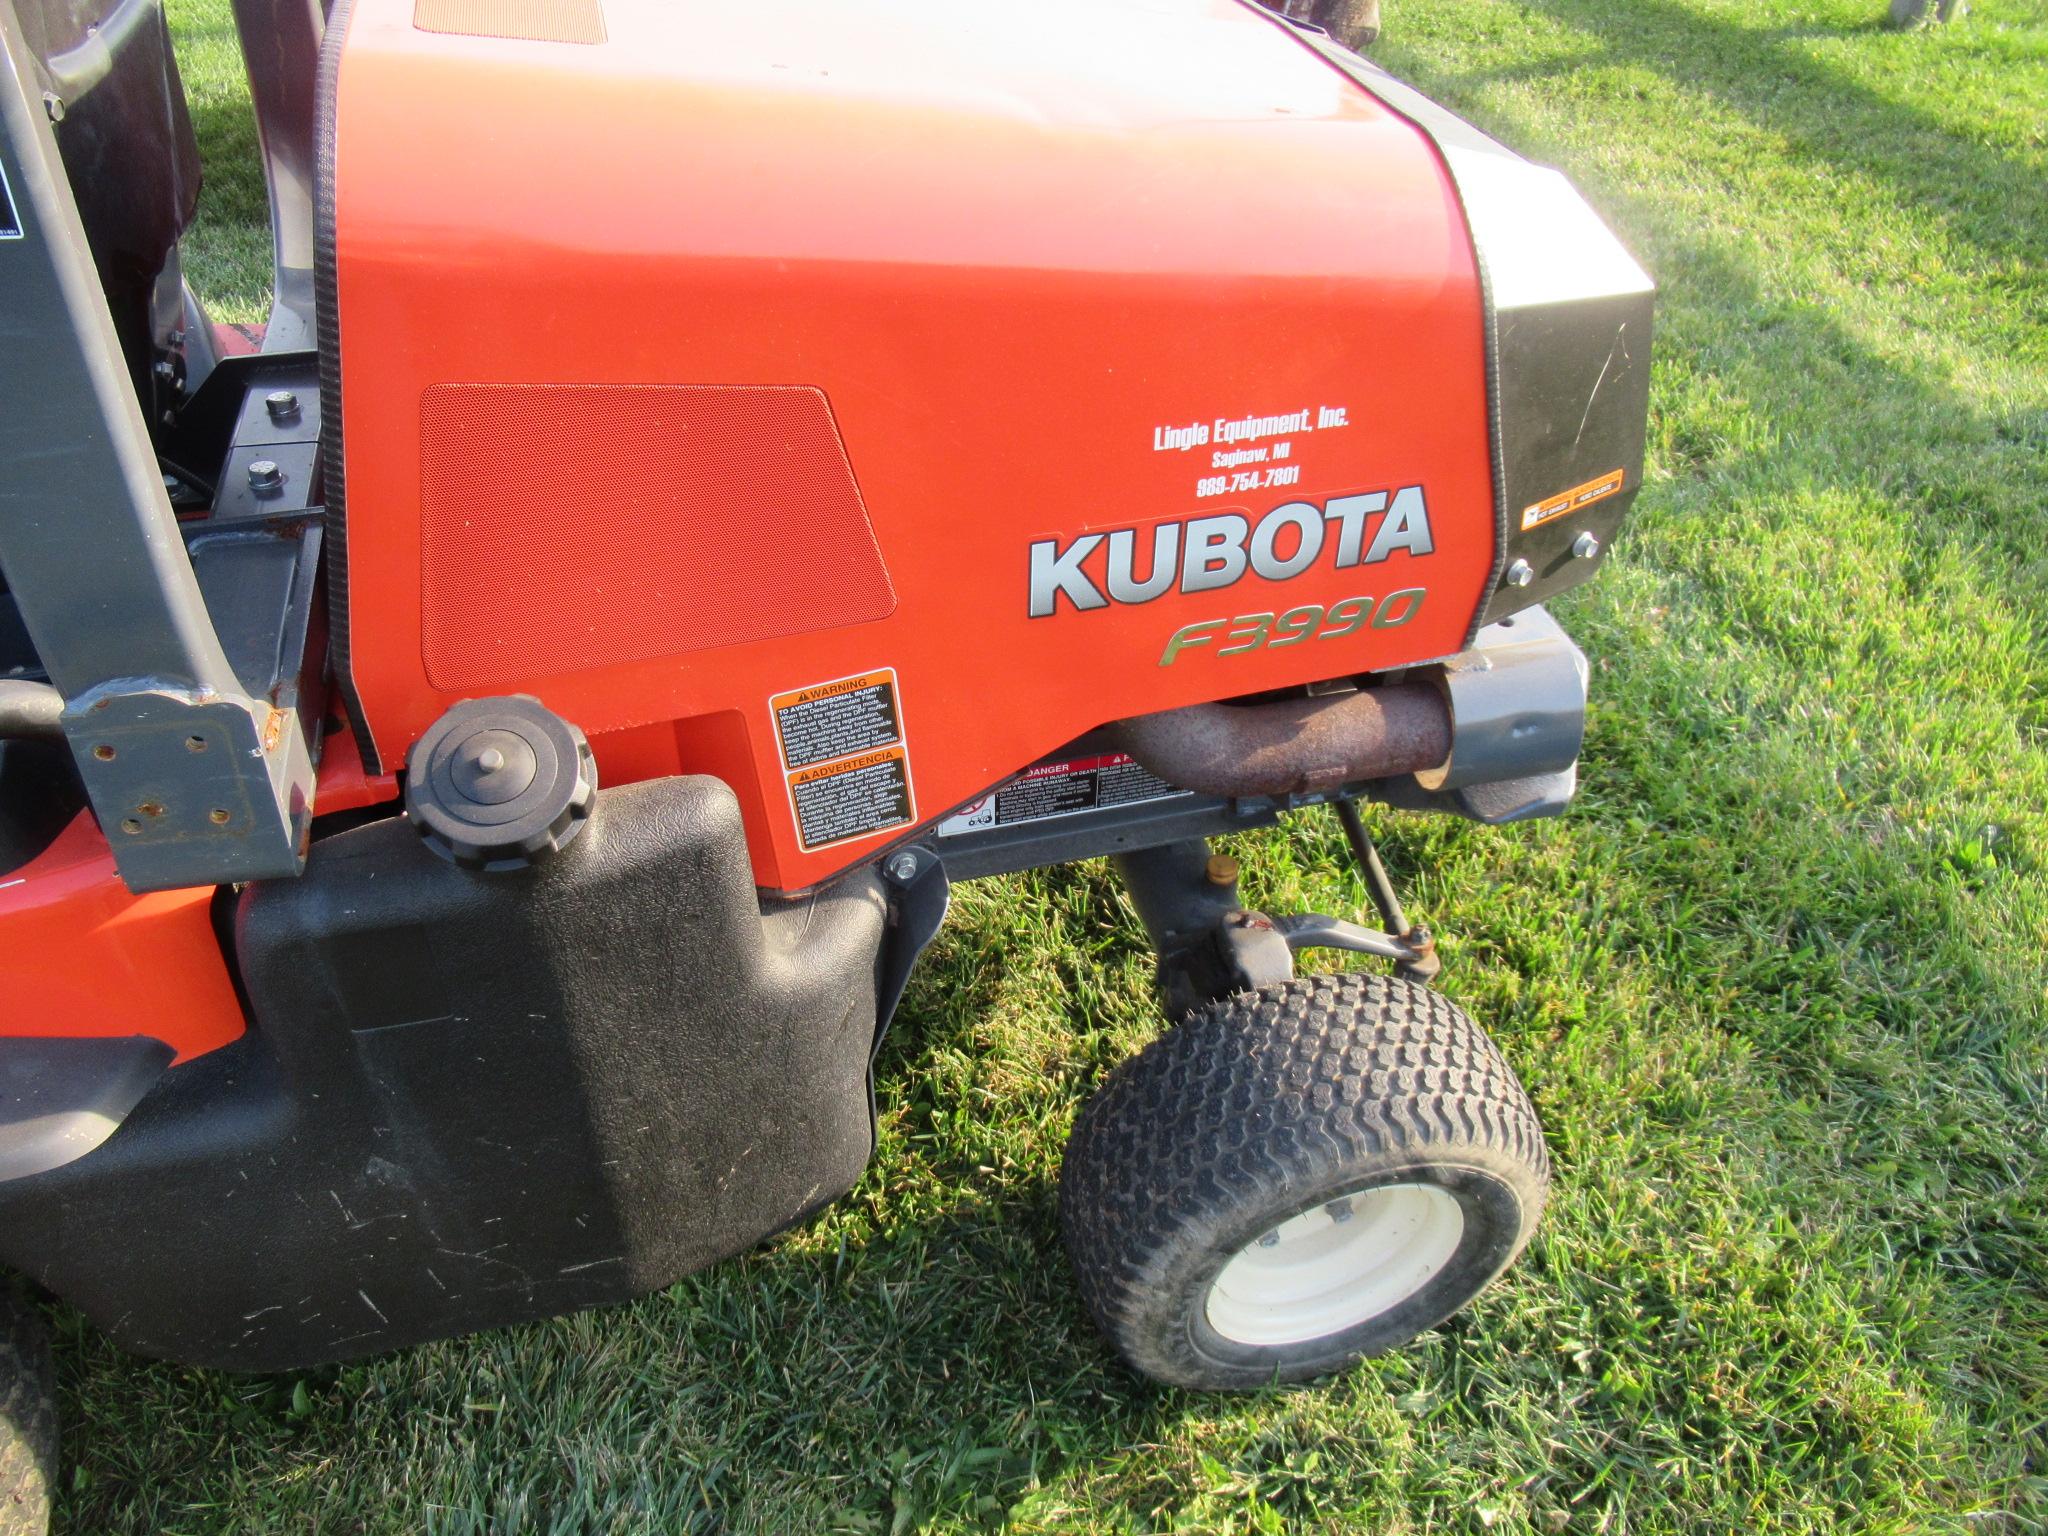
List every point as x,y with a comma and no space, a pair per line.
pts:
1779,983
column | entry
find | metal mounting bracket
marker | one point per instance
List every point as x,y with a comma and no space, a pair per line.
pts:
195,781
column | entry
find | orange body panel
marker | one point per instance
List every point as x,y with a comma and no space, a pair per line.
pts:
87,958
344,783
1015,259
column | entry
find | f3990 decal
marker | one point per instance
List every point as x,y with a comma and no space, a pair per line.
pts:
1311,621
1207,553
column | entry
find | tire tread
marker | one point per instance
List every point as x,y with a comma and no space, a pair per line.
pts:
1255,1094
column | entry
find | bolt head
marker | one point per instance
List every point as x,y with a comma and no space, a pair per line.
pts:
1520,574
264,475
53,106
901,867
282,404
1585,547
1221,869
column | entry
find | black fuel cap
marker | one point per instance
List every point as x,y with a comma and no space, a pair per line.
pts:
500,784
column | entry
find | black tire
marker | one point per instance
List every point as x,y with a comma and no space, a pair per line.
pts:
1320,1095
28,1419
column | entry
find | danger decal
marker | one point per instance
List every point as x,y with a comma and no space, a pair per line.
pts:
844,758
1064,788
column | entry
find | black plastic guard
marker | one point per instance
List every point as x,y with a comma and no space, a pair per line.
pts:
473,1100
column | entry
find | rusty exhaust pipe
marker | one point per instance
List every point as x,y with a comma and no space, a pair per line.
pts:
1293,746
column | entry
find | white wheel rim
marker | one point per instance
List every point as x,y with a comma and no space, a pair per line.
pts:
1336,1265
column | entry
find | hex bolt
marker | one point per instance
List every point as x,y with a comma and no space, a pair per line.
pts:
1585,547
1338,1210
1520,574
1270,1239
1221,869
265,478
282,405
902,867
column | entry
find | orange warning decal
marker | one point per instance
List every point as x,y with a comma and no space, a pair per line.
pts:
1572,500
844,758
828,720
853,797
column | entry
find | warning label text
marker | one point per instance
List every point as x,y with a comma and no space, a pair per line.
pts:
844,757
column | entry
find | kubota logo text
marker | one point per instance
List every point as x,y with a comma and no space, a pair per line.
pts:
1202,554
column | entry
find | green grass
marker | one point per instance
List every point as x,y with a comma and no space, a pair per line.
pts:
1779,984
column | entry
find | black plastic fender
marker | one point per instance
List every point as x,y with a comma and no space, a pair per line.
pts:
469,1100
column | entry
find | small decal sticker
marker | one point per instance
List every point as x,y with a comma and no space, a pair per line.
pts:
1064,788
845,762
851,798
10,221
854,714
1572,500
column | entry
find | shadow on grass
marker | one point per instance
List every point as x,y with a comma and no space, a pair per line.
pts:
941,1372
1987,199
